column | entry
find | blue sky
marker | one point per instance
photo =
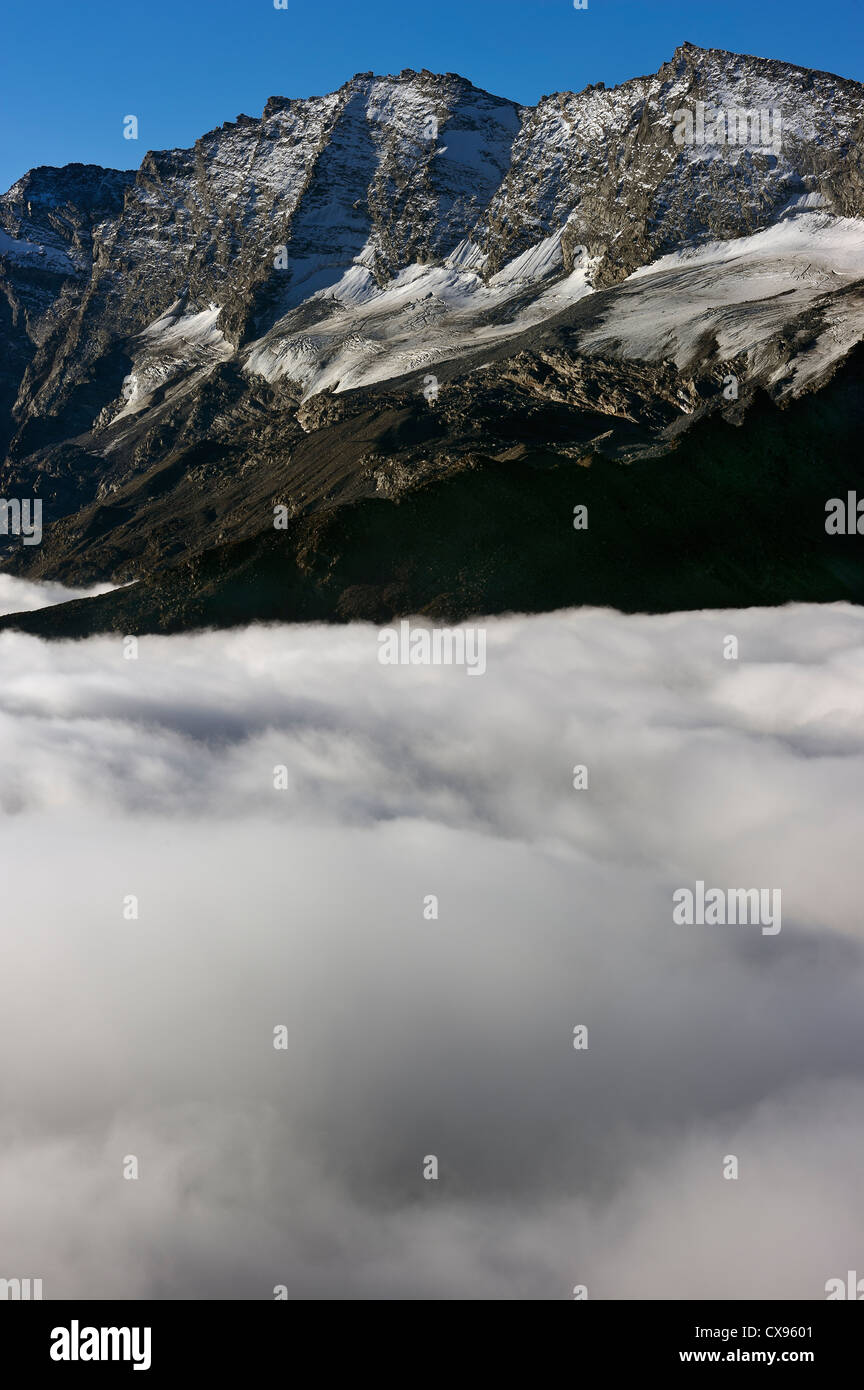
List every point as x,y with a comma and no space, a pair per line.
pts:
69,73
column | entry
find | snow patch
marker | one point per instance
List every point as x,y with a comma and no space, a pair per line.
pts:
744,291
38,255
373,337
173,346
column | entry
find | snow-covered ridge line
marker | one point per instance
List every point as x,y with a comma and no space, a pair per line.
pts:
381,229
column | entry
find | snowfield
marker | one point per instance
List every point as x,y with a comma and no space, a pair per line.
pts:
743,292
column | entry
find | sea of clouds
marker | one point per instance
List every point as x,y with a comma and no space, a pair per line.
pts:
451,1037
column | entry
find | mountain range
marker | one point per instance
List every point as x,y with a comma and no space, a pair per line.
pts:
363,356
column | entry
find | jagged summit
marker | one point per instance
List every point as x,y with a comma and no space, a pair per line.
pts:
722,60
694,52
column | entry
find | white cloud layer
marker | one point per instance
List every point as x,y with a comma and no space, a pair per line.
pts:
453,1037
24,595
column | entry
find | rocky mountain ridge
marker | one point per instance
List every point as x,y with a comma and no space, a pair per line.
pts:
356,293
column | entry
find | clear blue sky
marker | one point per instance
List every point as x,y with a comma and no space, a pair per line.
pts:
70,72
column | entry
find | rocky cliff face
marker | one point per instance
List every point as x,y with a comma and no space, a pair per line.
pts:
47,221
425,271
